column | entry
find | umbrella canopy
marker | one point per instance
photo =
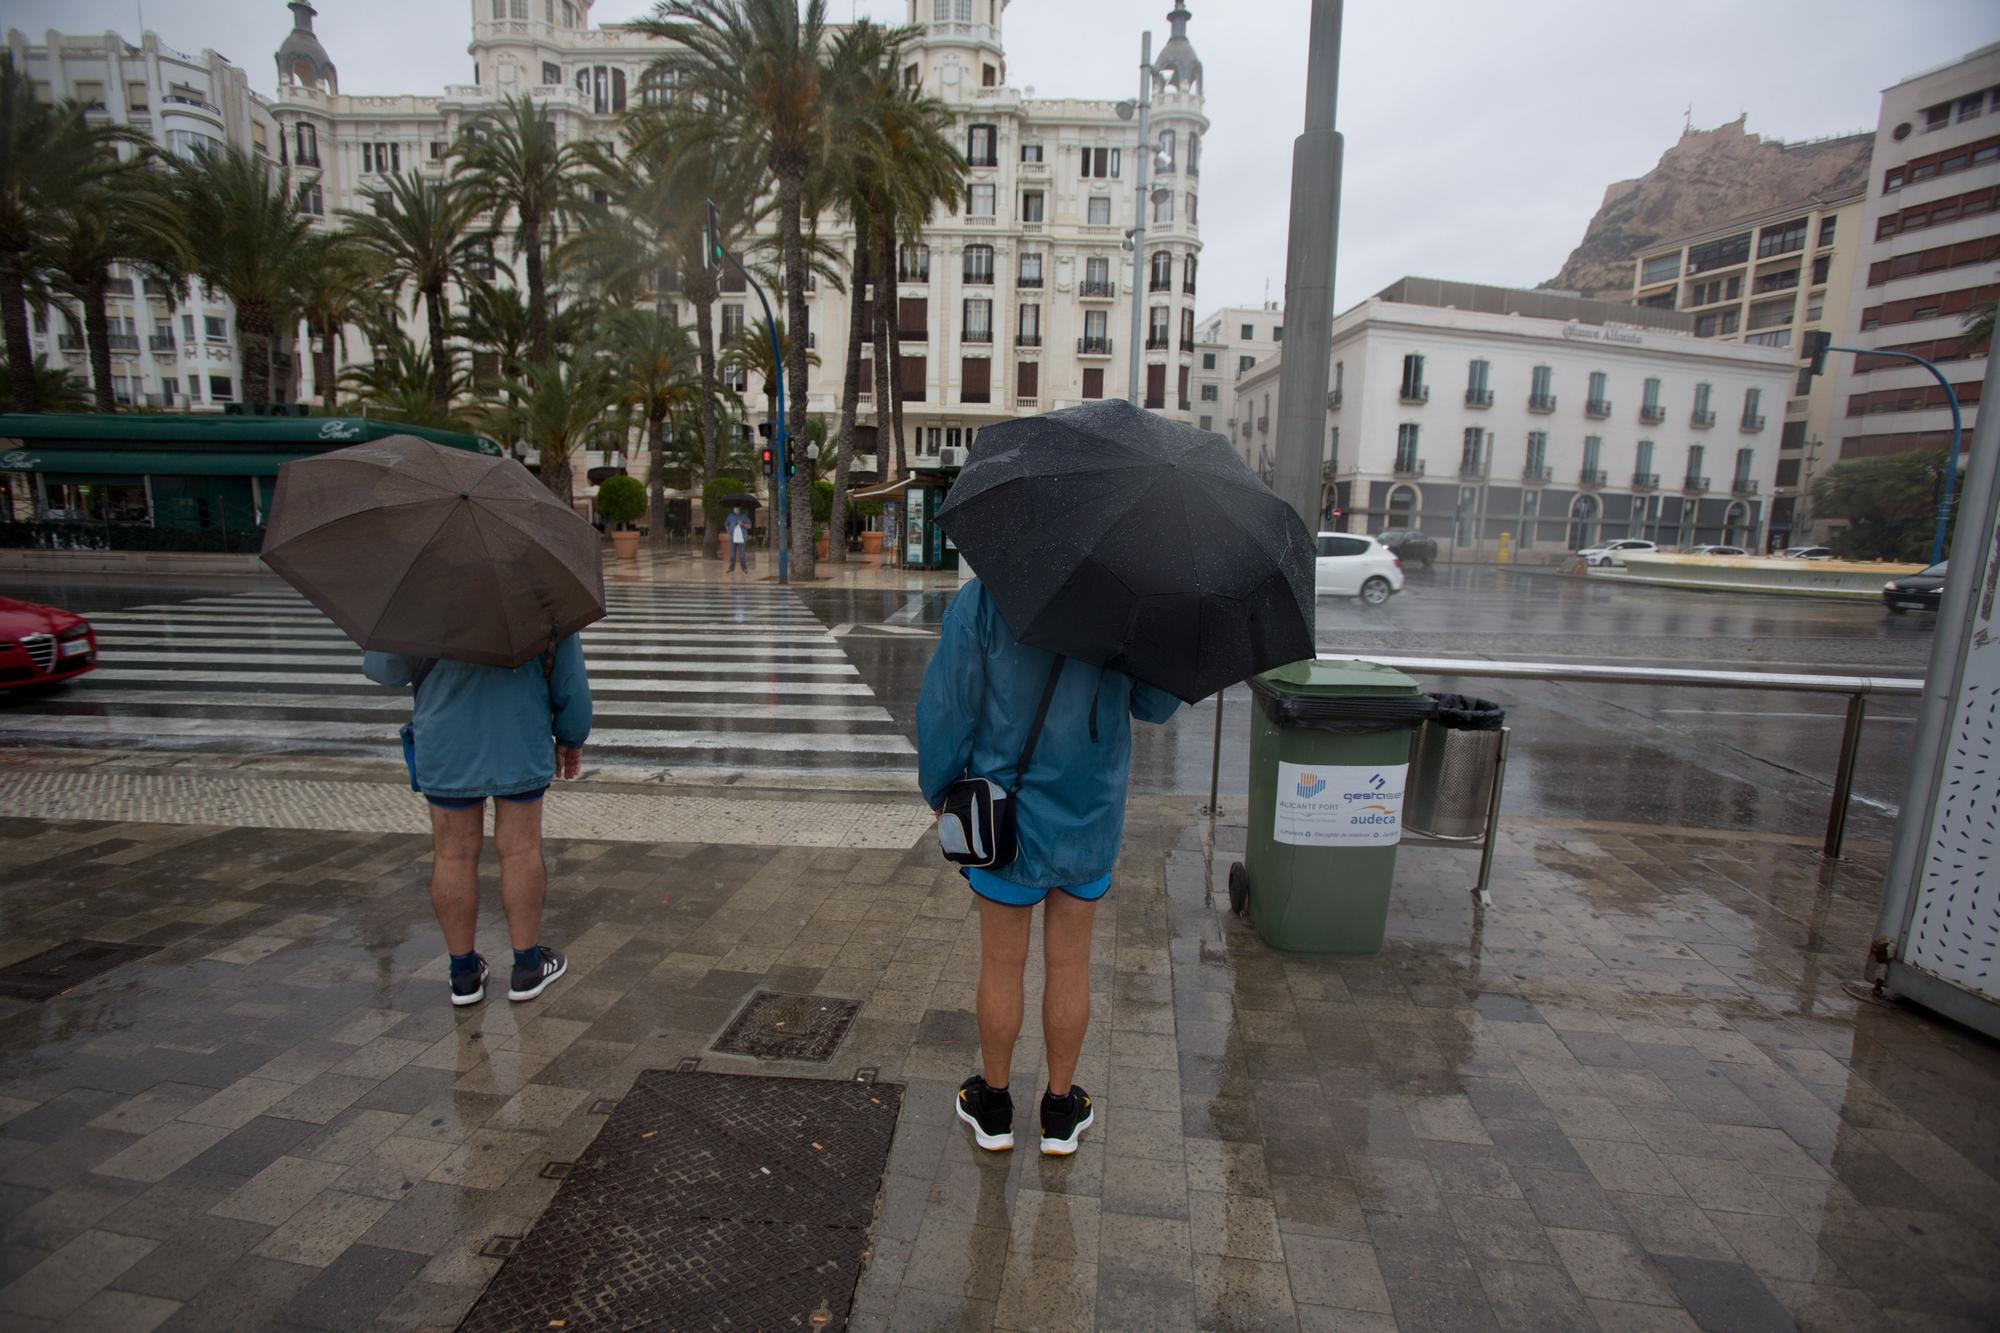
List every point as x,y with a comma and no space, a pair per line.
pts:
1126,540
742,502
411,547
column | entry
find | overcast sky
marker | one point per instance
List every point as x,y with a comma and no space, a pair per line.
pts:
1479,137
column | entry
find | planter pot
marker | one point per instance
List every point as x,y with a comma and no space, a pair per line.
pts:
871,543
626,543
820,546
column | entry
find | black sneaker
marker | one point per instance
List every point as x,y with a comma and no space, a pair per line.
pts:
530,981
990,1112
469,987
1064,1119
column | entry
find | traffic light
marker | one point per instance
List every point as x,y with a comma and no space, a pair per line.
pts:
770,463
764,429
791,463
1817,343
711,241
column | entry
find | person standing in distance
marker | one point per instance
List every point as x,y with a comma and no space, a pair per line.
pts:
737,525
980,695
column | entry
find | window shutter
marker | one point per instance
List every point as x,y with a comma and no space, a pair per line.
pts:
1027,379
1156,386
975,380
913,314
910,378
1093,382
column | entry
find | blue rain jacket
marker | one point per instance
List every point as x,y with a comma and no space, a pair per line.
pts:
979,697
486,731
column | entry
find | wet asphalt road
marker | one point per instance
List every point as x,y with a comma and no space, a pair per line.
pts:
1701,758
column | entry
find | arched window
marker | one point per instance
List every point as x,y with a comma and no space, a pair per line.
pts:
1403,507
979,263
1160,272
1187,277
1736,525
1582,522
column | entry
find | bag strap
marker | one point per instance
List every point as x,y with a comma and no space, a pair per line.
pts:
1035,727
423,671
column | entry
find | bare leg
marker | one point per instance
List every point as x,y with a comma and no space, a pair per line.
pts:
524,878
1066,924
1003,956
456,837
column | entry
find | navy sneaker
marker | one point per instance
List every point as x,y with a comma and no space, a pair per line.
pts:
1064,1119
530,981
990,1112
469,987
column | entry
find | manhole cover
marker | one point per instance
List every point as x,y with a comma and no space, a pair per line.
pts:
56,970
706,1201
788,1027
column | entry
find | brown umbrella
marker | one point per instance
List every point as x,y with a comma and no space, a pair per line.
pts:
412,547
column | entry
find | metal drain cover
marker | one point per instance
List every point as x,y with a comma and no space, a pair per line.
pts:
706,1201
788,1027
53,971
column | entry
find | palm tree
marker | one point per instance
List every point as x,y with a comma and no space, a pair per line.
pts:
422,233
653,365
247,230
57,390
556,406
50,156
517,166
337,287
751,76
400,382
122,215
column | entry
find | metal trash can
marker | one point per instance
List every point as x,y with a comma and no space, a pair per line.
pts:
1329,755
1452,767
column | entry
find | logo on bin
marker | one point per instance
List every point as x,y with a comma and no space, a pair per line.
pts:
1311,784
1378,782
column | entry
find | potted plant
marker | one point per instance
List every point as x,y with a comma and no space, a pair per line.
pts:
620,500
871,538
822,512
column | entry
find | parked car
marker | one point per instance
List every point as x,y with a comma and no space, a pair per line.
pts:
1410,546
1355,566
1716,550
1606,553
42,645
1806,553
1923,590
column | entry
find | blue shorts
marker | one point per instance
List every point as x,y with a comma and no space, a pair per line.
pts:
995,889
474,802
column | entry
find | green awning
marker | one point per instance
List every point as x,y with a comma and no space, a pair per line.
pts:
306,434
158,463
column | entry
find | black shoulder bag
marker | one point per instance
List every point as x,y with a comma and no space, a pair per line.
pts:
976,819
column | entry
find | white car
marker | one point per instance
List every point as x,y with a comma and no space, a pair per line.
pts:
1806,553
1716,550
1607,553
1350,565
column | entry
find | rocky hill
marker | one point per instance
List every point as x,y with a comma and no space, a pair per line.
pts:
1708,178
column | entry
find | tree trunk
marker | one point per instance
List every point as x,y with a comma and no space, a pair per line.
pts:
556,474
656,480
886,239
884,382
20,351
253,322
97,337
850,392
324,367
790,229
538,313
440,353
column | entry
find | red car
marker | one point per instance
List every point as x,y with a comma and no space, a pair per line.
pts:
40,645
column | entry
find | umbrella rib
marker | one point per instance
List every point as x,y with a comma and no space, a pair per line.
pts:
356,513
591,593
388,601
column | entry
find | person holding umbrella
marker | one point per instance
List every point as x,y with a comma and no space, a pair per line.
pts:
737,526
464,578
1125,563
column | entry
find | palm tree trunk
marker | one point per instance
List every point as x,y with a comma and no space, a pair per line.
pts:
850,393
20,352
440,354
886,240
538,314
323,367
254,323
703,297
97,337
656,480
789,227
884,382
557,475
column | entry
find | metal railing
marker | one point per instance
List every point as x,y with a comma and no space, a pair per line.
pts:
1599,408
1652,414
1479,397
1856,690
1701,420
1541,402
1097,287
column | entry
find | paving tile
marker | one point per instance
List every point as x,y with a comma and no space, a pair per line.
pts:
239,1103
1242,1294
1335,1273
486,1159
1058,1227
353,1289
324,1227
1533,1298
1723,1297
162,1152
1127,1299
157,1106
1608,1267
201,1251
1318,1206
1327,1319
1239,1226
538,1108
1664,1225
1452,1119
1037,1292
119,1312
250,1295
959,1259
1721,1186
256,1145
73,1274
277,1192
321,1098
1774,1247
1219,1167
1500,1229
1440,1307
60,1216
1153,1246
1422,1246
1629,1317
919,1310
1629,1167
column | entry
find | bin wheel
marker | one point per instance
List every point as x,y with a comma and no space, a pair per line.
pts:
1239,888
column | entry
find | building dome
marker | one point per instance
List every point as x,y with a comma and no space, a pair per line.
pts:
1178,65
301,59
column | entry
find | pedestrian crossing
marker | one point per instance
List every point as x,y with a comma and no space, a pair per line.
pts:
725,686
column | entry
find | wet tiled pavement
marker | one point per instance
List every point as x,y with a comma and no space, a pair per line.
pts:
1632,1094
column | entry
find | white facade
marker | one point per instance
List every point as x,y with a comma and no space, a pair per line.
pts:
1026,287
161,356
1228,342
1473,423
1930,245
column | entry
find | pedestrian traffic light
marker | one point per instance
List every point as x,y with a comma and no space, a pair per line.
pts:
764,429
770,465
711,241
1817,343
791,463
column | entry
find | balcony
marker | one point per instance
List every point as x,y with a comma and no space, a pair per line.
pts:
1470,469
1407,466
1097,289
162,344
1416,393
70,342
1027,340
917,335
1160,285
1479,397
1156,342
1695,485
118,286
1752,423
1333,399
1027,283
1597,408
1652,414
1590,476
1701,420
154,287
1743,486
1542,402
1089,345
976,336
1187,344
912,272
979,277
1645,481
123,342
1534,474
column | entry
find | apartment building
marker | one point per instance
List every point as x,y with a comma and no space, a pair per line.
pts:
1018,301
1929,258
1767,280
1228,342
1476,413
163,354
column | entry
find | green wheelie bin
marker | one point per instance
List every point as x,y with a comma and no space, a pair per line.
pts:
1329,752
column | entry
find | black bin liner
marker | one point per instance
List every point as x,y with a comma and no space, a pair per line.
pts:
1462,712
1345,715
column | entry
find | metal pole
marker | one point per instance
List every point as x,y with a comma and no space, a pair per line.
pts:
1843,777
784,524
1145,171
1957,432
1492,819
1215,759
1309,269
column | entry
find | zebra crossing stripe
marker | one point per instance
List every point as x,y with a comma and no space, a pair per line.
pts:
383,700
627,738
111,675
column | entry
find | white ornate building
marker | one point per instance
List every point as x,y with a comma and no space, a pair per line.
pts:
1020,300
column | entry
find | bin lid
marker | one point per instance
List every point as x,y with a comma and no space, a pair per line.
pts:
1311,677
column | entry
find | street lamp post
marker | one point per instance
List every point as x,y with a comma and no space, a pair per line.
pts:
713,255
1137,238
1819,344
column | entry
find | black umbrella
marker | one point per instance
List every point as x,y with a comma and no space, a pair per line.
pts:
1126,540
742,502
